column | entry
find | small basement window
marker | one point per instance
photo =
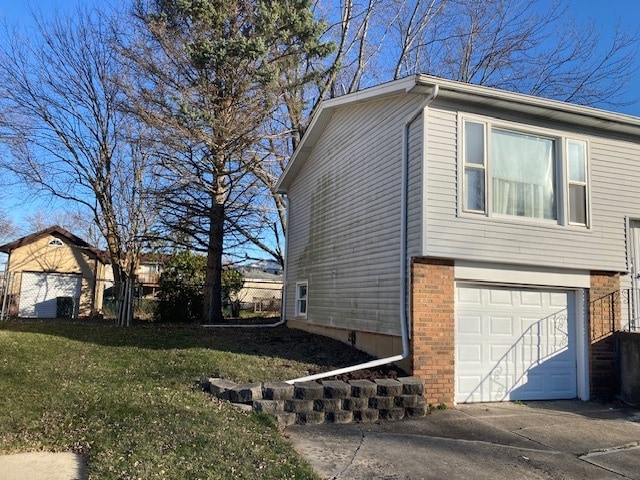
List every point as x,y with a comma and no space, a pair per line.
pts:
301,299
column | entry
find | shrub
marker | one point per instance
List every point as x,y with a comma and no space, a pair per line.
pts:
181,285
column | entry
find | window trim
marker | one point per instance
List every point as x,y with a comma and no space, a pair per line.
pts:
569,182
561,146
474,166
299,300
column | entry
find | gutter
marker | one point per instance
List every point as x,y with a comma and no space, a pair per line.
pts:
404,275
283,300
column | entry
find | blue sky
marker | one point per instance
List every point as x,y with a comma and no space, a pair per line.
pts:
605,14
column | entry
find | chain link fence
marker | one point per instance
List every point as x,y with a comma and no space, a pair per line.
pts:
54,295
51,295
256,301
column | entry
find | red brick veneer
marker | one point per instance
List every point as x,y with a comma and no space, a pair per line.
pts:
433,328
605,313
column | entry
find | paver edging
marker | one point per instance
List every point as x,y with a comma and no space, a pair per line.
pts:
327,401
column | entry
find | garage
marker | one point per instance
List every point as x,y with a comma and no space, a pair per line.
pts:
39,293
514,344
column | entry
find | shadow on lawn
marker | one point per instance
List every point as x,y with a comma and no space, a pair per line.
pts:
279,341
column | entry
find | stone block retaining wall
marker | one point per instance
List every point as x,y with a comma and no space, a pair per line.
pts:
329,401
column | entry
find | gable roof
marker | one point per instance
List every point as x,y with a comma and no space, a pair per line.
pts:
564,112
56,231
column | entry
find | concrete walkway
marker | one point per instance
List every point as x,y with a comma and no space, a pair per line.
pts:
536,440
42,466
501,441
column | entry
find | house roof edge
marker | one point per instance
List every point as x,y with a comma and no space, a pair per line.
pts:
565,112
324,114
560,111
55,229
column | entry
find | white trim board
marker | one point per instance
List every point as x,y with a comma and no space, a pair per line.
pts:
521,275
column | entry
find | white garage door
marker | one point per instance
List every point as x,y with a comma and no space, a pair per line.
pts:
39,291
514,344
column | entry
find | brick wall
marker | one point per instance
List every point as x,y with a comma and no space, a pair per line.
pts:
432,334
605,313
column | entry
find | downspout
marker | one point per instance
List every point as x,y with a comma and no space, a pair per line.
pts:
283,300
404,275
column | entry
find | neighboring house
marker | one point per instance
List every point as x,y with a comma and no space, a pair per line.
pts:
261,291
49,264
148,273
267,266
511,222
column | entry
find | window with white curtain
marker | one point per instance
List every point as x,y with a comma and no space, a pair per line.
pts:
523,175
512,173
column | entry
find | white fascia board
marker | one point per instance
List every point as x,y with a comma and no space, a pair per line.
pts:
532,105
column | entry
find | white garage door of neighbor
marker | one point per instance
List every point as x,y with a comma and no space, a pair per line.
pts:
38,293
514,344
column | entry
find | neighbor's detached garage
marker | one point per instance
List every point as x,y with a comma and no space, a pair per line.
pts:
53,273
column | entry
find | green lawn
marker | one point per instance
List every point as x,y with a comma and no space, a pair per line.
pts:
127,400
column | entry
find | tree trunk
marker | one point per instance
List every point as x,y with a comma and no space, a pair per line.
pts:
212,305
120,283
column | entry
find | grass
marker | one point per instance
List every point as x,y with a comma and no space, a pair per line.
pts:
127,400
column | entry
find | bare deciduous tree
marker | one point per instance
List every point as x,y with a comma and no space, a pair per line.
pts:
518,46
7,227
67,137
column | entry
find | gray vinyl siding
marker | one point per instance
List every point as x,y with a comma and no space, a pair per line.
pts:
415,180
345,203
344,218
614,181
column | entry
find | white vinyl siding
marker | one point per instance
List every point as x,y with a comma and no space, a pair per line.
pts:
415,182
344,217
614,170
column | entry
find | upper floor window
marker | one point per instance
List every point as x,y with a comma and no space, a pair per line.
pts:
577,176
56,242
509,172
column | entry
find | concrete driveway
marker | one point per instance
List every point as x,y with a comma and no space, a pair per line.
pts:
536,440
